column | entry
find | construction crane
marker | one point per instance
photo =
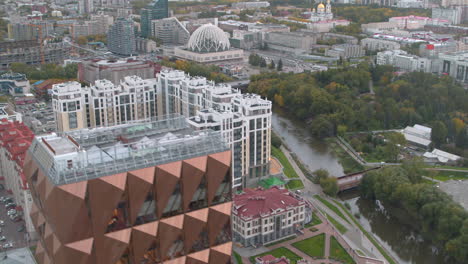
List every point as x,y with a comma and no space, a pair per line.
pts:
41,38
41,41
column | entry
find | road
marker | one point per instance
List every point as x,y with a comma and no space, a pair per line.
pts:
9,230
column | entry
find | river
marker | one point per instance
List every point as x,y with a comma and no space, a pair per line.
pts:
314,153
403,241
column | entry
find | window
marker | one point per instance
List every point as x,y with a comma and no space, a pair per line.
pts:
72,120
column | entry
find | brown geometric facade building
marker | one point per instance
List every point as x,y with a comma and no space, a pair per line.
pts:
154,192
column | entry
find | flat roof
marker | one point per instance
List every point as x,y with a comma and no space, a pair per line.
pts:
92,153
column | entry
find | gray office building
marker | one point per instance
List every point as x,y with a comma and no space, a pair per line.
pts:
121,37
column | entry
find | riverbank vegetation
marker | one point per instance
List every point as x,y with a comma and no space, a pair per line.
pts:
349,163
377,147
288,170
439,218
328,183
339,100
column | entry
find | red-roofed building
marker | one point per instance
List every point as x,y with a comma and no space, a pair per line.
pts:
15,139
262,216
269,259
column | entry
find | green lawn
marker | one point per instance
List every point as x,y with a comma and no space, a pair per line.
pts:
428,181
295,184
451,175
315,221
348,163
288,170
339,253
360,252
280,241
331,207
446,167
341,228
237,257
312,246
279,252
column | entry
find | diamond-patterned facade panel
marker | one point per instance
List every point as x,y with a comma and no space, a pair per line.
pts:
169,230
143,236
167,178
105,194
221,254
113,247
139,185
200,257
193,171
66,207
218,167
197,221
78,215
218,217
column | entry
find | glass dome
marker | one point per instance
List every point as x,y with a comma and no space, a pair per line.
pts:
208,38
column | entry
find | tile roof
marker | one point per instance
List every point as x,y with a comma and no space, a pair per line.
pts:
16,138
254,203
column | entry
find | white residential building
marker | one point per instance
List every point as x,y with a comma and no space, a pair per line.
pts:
250,5
15,139
103,104
404,61
379,44
264,216
244,119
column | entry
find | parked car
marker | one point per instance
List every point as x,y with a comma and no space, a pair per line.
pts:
2,187
21,228
17,219
2,223
11,206
13,216
8,245
12,212
2,238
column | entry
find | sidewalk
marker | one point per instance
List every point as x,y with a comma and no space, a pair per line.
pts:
308,185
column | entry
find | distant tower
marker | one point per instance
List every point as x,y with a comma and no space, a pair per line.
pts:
85,7
328,7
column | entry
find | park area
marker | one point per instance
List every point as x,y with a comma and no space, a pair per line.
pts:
378,147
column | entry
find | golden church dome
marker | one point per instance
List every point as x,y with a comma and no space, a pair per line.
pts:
321,6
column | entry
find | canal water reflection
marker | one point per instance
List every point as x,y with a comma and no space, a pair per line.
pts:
312,152
386,223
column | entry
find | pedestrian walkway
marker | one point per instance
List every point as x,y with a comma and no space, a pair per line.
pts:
308,185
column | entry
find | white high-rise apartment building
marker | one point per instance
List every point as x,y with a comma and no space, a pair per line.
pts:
103,104
243,119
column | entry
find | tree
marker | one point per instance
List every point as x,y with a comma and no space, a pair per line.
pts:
329,186
263,63
275,140
462,138
439,133
280,65
272,65
321,127
81,40
320,174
